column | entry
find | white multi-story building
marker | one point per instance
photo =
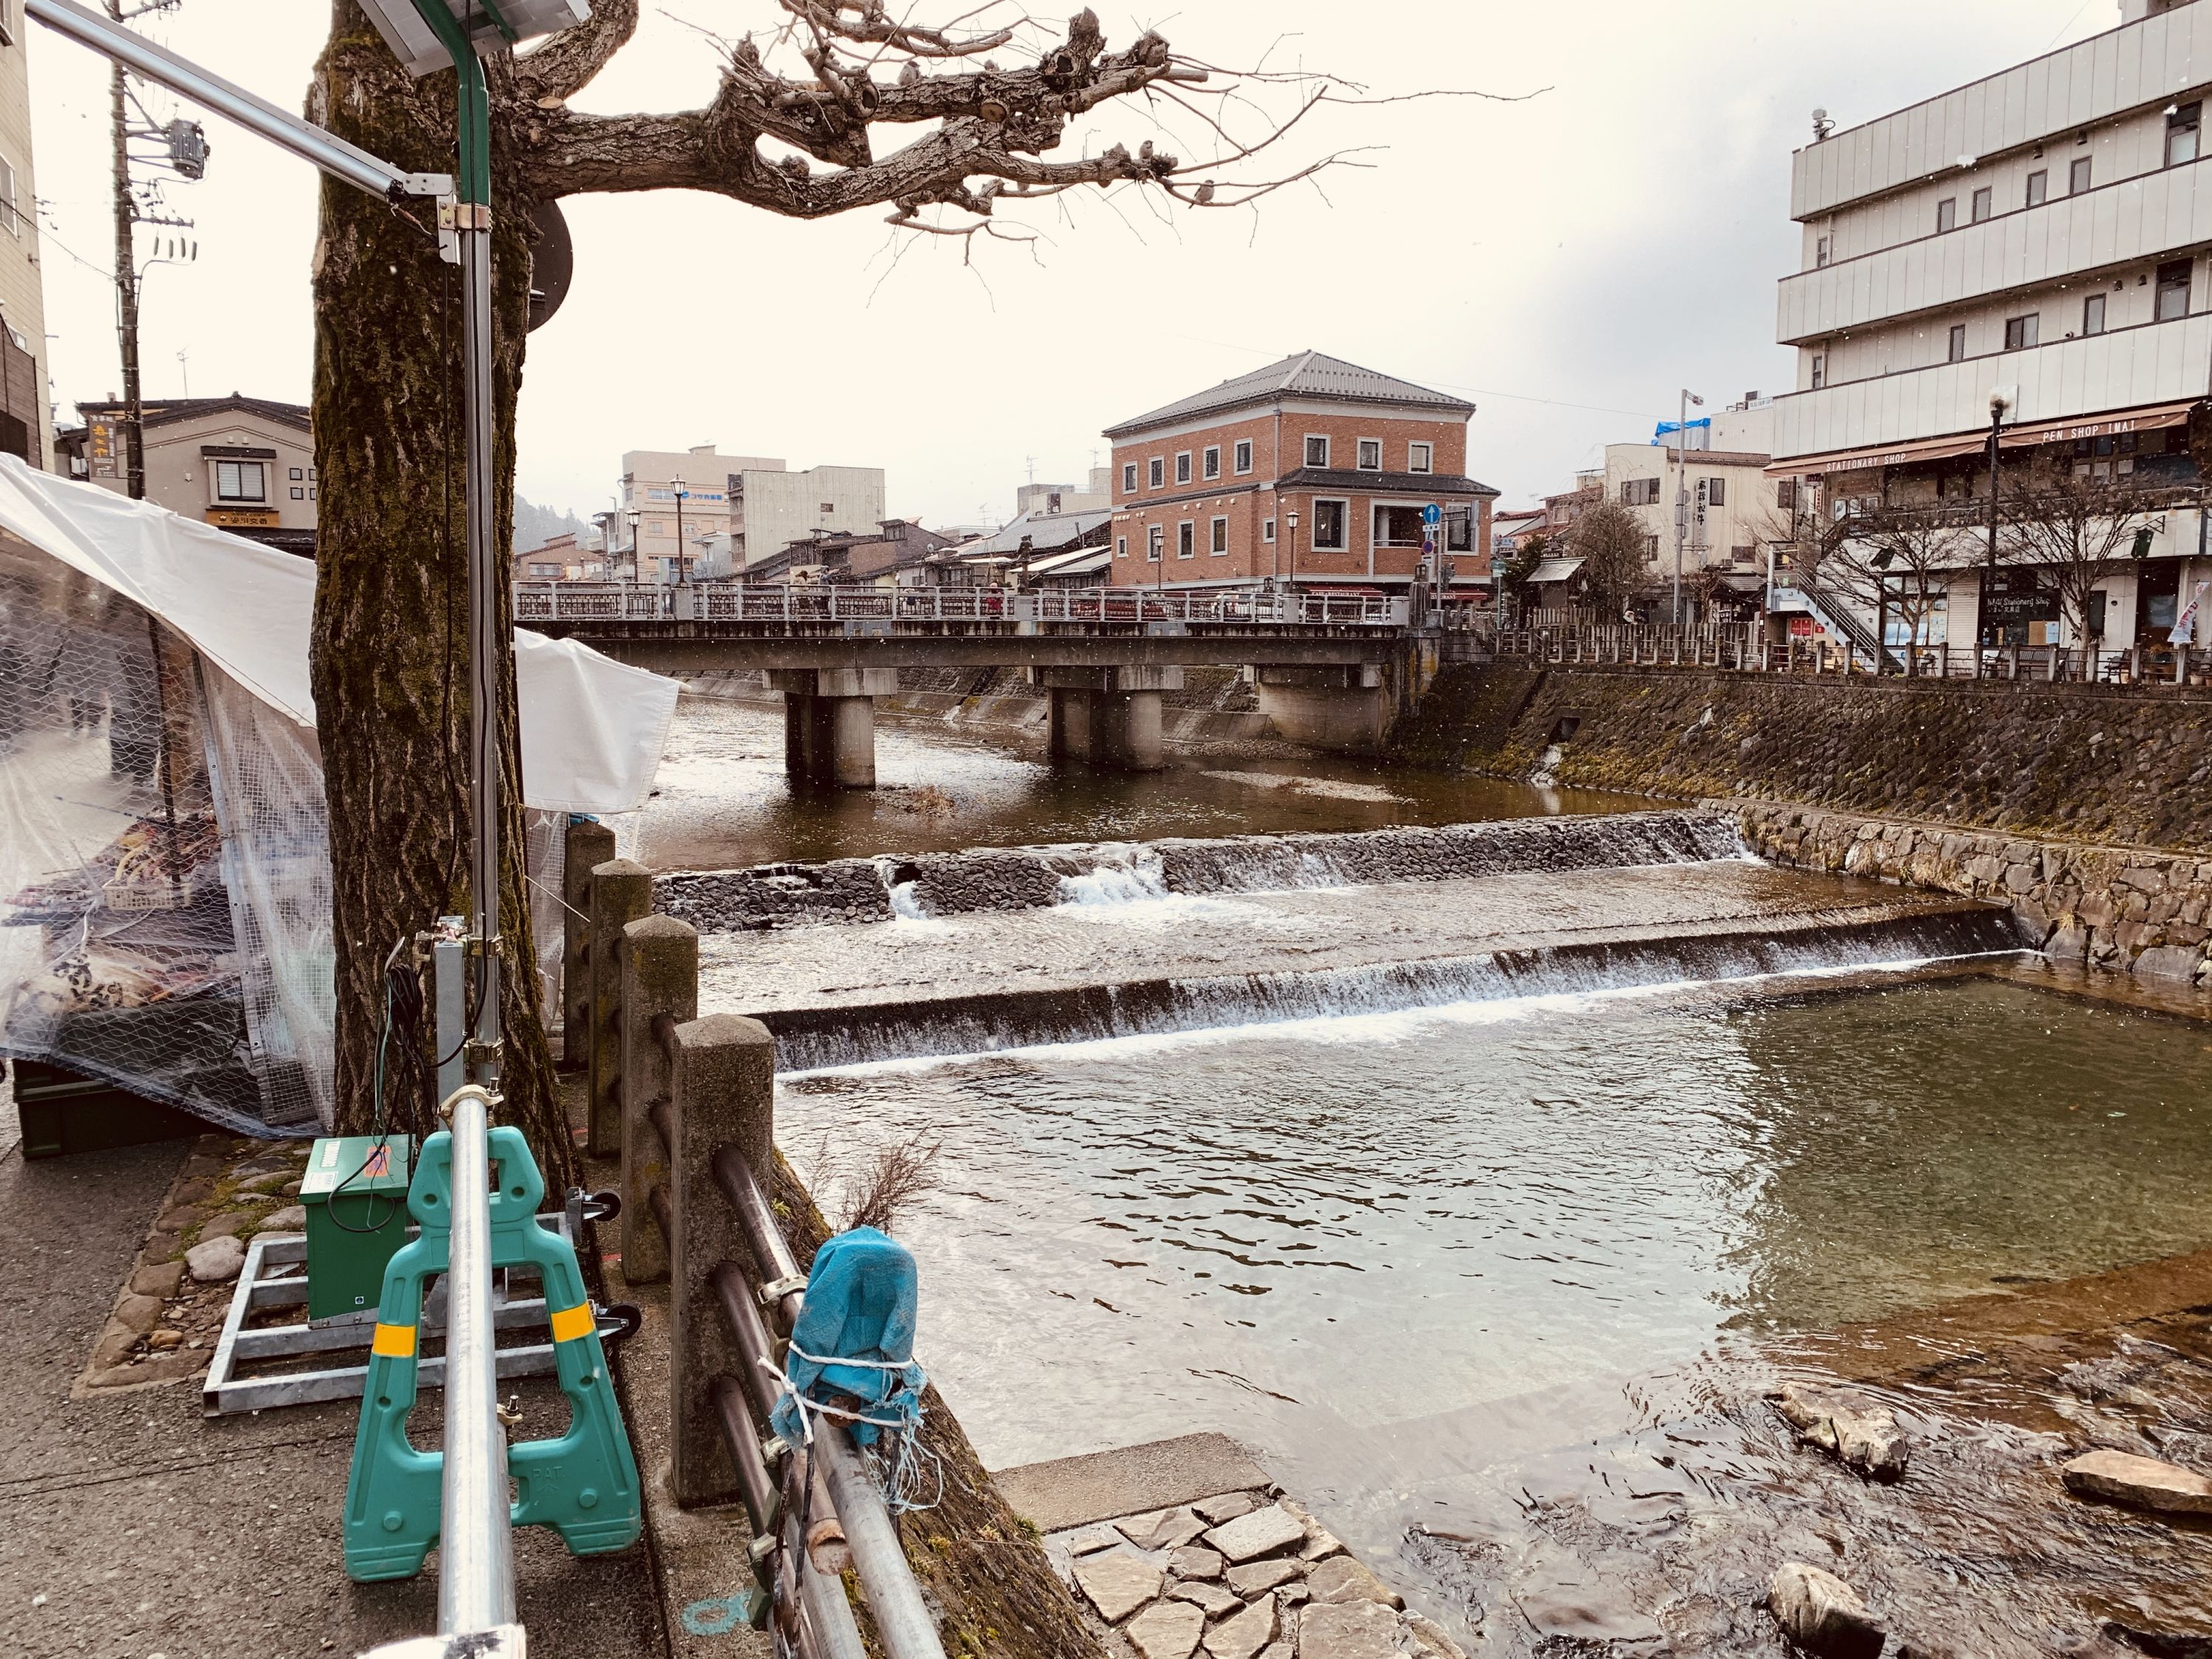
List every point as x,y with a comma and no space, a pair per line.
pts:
26,421
2034,241
735,510
1053,500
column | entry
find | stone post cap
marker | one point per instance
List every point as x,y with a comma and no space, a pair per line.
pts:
656,926
620,867
724,1031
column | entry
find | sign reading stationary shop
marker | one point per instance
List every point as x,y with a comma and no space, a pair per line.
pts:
2018,607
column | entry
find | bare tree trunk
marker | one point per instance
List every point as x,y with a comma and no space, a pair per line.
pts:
390,664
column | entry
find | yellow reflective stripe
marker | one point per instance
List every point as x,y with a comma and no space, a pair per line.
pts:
569,1323
393,1342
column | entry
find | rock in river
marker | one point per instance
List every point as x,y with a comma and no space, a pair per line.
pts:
1861,1433
1822,1615
2141,1483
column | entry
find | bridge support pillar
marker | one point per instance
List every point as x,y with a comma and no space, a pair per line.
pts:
1343,708
1108,717
830,724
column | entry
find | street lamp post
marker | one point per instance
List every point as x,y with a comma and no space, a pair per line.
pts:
1998,405
683,564
632,515
1682,492
1290,528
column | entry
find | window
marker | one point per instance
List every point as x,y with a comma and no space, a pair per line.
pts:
1640,492
1316,452
297,475
1984,200
1186,539
2020,332
1212,464
1742,555
1397,526
1155,539
544,573
829,507
1946,214
1217,539
1785,494
1182,467
2038,187
1328,521
1130,478
1420,458
2077,176
1716,492
2173,289
2093,314
299,493
1821,254
2181,130
8,211
240,481
1820,370
1371,454
1243,455
1958,343
1157,472
1650,550
1266,530
1120,547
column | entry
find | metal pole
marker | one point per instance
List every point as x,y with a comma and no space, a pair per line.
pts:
1681,495
133,423
902,1616
476,1552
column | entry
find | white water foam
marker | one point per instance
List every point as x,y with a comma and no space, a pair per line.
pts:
1387,1025
1125,874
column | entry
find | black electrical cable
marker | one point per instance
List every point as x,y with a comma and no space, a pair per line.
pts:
381,1140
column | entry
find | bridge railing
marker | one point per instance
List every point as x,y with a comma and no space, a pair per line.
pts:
776,603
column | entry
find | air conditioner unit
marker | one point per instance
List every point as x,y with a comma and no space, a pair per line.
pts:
490,25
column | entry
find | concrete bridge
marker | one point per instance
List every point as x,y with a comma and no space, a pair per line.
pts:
1325,663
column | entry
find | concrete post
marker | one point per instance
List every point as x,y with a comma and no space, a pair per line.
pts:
621,892
1324,707
1108,716
588,845
659,975
830,724
721,1092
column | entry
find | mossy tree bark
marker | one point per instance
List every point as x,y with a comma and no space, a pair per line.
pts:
390,660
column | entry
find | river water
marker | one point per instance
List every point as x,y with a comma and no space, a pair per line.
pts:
1498,1283
720,799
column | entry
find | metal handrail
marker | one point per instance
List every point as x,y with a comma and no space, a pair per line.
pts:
775,603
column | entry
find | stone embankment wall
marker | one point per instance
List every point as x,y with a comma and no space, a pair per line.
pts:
2104,764
2121,907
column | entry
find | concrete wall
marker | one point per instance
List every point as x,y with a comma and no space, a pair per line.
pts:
2128,909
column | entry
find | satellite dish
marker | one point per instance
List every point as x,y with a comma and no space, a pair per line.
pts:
552,263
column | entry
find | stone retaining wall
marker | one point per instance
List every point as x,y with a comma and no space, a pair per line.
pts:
2124,765
2121,907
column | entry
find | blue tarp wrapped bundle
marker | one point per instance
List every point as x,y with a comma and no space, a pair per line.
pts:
852,1355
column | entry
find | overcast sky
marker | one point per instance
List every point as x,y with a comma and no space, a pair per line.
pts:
1566,263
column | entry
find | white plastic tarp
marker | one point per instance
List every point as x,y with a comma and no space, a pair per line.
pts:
592,728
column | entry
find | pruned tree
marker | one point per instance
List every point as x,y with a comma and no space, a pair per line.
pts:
798,126
1609,540
1899,561
2077,531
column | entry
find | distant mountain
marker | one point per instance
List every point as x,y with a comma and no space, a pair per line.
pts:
534,527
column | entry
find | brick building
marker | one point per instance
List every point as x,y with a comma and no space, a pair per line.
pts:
1206,488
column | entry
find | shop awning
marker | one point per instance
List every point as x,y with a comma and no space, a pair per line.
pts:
1554,570
2147,419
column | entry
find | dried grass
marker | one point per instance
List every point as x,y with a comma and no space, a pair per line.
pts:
868,1187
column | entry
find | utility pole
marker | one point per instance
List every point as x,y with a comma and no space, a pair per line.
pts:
1682,492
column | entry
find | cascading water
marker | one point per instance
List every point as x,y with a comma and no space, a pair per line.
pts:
815,1038
900,881
1123,875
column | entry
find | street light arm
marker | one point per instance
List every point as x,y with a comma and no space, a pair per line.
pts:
303,138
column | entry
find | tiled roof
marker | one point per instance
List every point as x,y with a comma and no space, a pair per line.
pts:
1379,483
161,411
1309,374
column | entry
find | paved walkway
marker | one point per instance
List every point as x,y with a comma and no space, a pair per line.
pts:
131,1527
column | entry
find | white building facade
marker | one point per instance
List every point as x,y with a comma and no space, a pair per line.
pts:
2038,241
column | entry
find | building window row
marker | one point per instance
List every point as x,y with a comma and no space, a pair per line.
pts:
1419,457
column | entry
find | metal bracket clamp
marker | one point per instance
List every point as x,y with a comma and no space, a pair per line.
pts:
492,1101
776,1289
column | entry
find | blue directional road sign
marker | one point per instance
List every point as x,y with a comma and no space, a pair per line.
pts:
1433,514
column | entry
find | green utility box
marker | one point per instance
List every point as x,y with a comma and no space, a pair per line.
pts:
355,1193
